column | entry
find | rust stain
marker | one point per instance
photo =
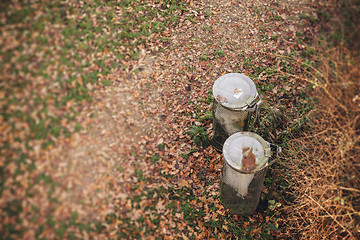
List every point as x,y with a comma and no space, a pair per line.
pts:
248,161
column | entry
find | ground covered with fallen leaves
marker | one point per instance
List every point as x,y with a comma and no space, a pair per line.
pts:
106,114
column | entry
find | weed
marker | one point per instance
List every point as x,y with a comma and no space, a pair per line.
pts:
185,156
155,158
207,116
140,175
163,146
219,53
106,82
276,18
208,14
77,127
199,135
273,204
208,28
204,57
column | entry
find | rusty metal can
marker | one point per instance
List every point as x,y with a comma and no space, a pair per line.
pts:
235,100
246,158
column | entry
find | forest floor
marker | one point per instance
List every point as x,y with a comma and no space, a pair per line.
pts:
97,101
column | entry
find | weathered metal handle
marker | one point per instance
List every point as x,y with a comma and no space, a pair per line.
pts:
277,149
257,114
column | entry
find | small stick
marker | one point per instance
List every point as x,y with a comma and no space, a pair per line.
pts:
348,189
330,216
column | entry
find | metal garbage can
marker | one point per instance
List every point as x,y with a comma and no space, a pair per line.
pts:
246,158
235,100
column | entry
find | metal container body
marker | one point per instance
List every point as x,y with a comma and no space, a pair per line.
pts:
235,201
227,122
246,158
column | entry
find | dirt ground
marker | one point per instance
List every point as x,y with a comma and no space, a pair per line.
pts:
153,100
128,114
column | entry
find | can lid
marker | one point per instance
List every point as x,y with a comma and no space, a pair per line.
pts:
235,91
246,152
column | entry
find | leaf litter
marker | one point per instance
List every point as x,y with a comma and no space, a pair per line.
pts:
130,170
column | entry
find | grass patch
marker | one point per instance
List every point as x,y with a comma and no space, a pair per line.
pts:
199,135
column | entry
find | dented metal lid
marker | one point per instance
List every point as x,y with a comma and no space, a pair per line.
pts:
246,152
235,91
